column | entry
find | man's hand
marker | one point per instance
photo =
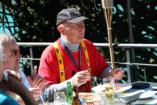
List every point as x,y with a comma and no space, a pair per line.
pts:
117,74
80,78
36,92
36,81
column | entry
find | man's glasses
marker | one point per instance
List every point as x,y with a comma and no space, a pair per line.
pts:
79,24
5,57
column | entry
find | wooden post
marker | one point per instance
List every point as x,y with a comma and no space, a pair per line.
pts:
107,7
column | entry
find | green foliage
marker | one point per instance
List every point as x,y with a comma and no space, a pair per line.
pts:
36,19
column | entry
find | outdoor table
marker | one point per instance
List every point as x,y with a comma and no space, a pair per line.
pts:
149,101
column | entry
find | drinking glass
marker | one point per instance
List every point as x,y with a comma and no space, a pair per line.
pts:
109,88
59,98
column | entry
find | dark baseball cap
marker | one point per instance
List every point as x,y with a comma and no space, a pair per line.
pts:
71,15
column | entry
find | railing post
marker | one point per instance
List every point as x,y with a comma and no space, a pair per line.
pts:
145,76
31,60
128,65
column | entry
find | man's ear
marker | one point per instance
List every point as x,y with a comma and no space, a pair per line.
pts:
60,28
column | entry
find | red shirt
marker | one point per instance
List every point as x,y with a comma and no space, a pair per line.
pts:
49,68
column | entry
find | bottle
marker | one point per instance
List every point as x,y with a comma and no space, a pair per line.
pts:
76,100
69,92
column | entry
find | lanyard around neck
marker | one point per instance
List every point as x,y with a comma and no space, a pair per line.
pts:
60,60
77,66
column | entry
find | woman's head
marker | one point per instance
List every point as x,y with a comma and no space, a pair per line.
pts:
10,51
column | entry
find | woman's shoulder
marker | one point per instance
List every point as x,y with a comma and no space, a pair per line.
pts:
6,100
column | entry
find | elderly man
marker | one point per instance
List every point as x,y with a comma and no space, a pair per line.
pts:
72,58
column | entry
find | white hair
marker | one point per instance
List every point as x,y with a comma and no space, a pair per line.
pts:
1,52
7,41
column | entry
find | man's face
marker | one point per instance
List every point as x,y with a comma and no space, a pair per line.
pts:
10,59
74,31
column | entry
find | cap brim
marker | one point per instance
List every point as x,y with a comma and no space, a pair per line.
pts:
76,20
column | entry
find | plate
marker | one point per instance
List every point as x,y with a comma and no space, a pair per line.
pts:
122,87
154,88
118,88
131,96
89,98
147,95
99,88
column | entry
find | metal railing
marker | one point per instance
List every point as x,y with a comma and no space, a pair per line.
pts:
124,46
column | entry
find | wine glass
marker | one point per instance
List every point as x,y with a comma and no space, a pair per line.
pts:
60,98
109,88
